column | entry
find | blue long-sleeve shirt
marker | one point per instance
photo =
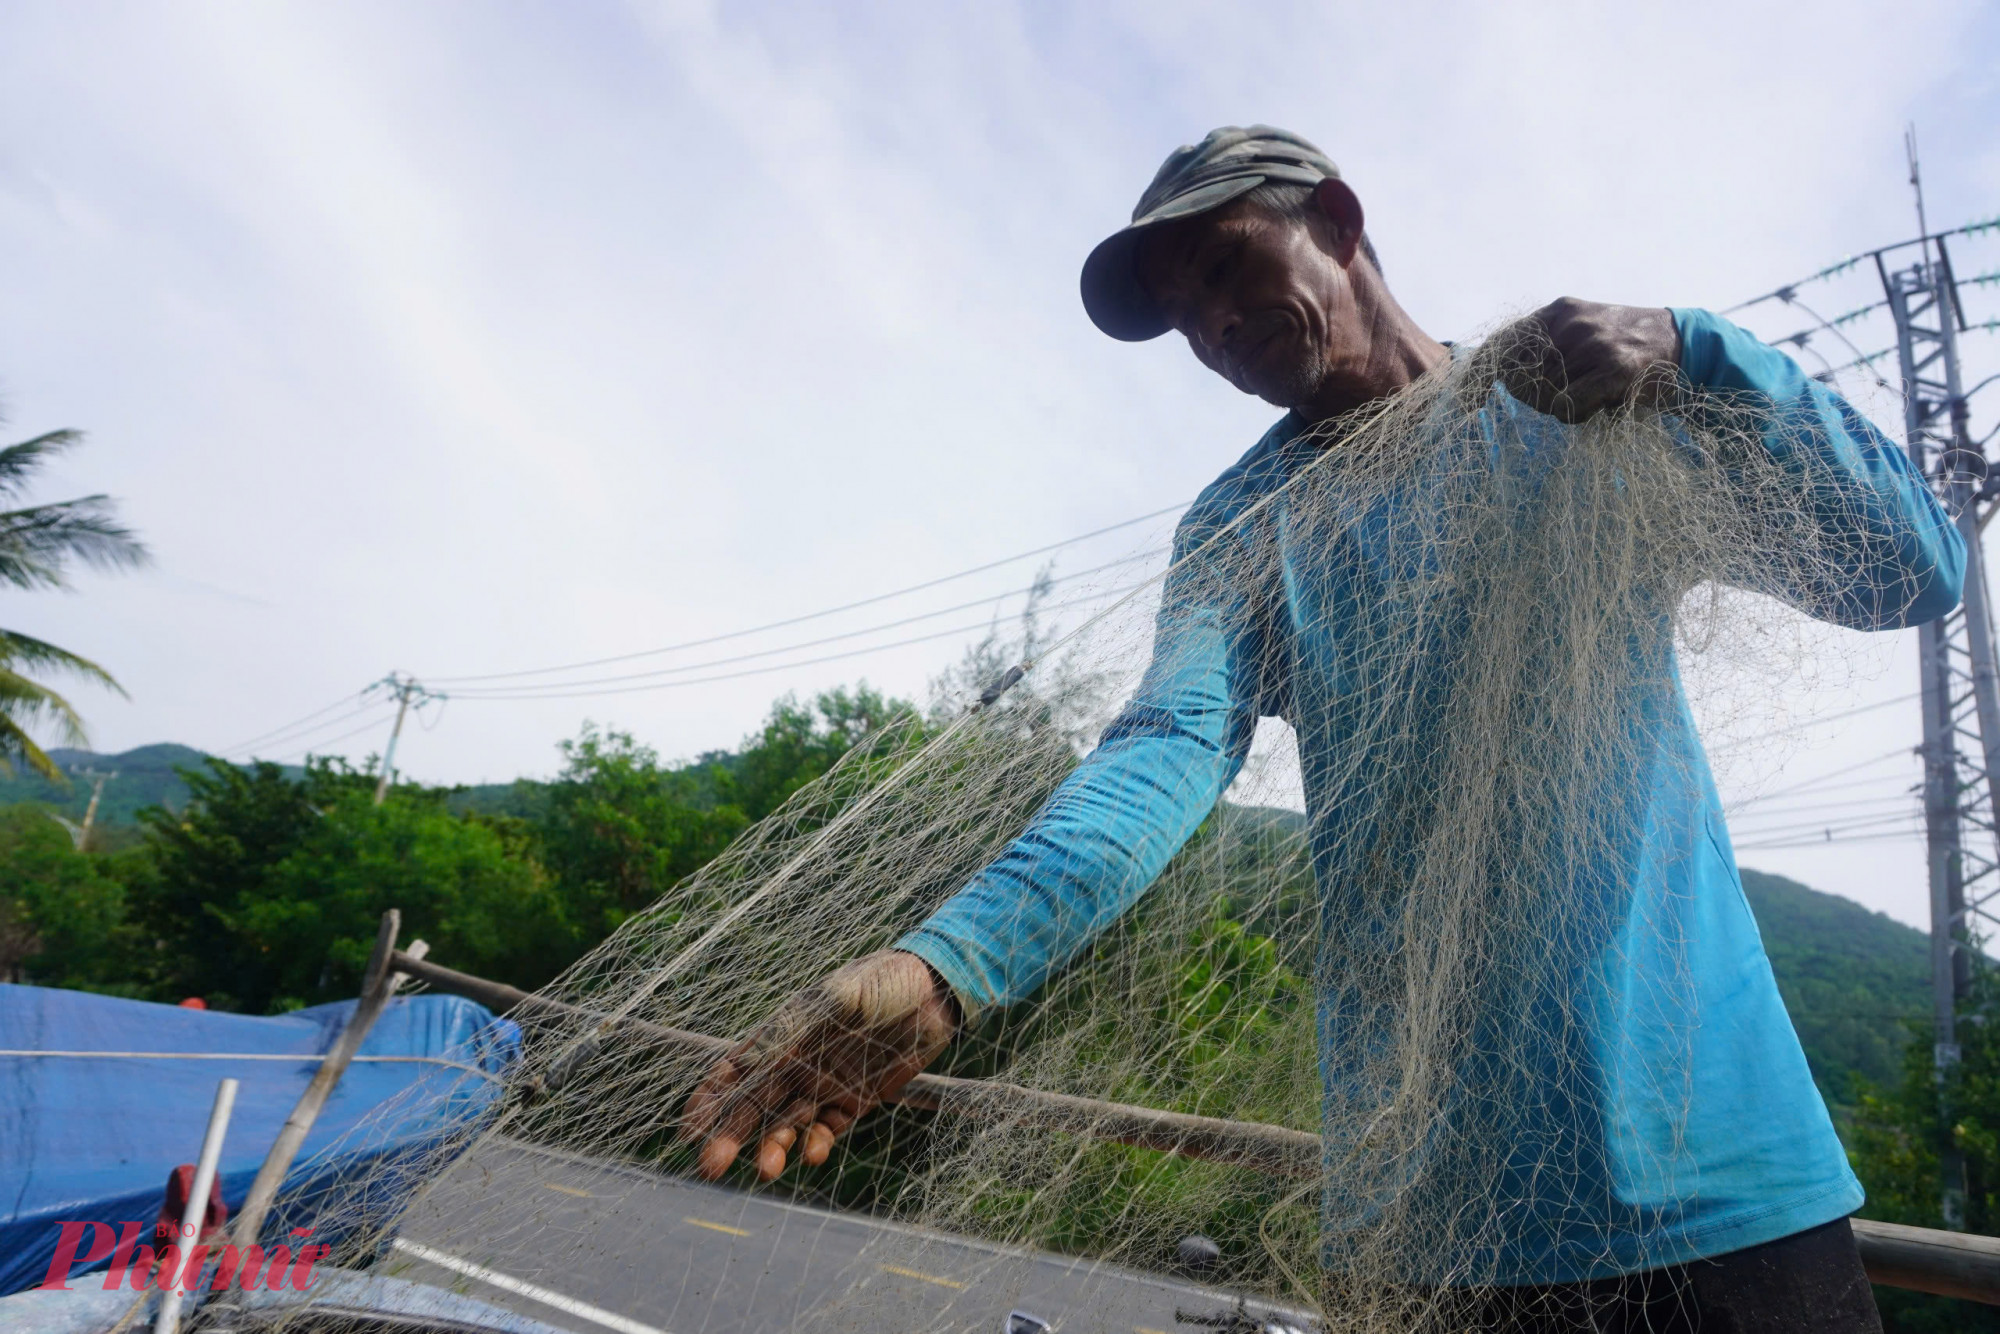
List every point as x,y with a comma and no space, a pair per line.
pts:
1687,1113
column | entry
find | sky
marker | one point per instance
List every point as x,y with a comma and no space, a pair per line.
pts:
460,339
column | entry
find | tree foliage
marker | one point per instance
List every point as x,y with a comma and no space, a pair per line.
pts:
1898,1136
38,544
618,829
266,891
60,909
263,891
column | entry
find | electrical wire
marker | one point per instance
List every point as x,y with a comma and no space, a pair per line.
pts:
850,634
1804,784
1891,837
316,747
300,734
1898,800
1842,266
561,691
1849,822
1824,324
815,615
262,737
1805,723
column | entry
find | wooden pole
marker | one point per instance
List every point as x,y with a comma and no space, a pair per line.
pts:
1951,1264
1265,1148
375,991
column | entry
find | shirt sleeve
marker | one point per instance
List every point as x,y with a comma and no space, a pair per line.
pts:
1112,825
1897,559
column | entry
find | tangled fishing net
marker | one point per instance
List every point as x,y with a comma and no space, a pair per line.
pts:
1404,974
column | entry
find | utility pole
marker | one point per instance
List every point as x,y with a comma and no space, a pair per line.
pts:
407,691
79,834
1961,695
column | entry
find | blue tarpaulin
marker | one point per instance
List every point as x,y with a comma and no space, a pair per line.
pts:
93,1136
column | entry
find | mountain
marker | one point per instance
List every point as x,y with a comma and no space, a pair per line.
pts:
1854,981
143,777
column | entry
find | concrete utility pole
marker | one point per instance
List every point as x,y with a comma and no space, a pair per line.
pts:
407,691
1956,660
79,834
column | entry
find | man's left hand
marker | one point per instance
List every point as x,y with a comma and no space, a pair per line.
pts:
1594,356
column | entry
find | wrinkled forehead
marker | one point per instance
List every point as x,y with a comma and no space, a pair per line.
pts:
1166,252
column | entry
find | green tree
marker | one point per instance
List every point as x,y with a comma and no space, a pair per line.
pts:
469,886
1899,1132
617,829
799,743
205,863
62,919
37,545
266,891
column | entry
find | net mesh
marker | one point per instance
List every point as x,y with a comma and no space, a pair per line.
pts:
1392,933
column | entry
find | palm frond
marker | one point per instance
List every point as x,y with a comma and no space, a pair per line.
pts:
19,650
16,744
26,704
19,462
36,542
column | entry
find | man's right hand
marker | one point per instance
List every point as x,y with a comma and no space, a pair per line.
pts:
1591,356
826,1058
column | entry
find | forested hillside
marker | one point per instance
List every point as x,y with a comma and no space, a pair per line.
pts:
146,776
1853,980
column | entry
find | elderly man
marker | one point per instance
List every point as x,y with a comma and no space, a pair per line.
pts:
1251,246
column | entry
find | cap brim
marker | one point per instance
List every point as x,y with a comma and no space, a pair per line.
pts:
1116,301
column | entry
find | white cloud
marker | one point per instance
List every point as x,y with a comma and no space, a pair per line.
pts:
468,339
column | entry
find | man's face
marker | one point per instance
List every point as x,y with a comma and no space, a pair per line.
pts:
1259,298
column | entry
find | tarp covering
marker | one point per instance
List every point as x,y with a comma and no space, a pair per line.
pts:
93,1137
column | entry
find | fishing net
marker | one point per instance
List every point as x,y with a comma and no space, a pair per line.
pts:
1391,934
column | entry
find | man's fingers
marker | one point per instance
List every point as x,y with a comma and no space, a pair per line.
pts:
706,1102
771,1153
781,1135
738,1121
819,1144
716,1156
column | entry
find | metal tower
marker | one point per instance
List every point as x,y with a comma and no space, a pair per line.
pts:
1961,694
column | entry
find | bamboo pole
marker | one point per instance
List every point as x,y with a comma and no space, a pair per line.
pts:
1950,1264
1265,1148
375,991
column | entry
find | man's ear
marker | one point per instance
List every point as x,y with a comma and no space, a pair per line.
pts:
1342,209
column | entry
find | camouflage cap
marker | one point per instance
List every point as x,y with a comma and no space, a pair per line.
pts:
1229,162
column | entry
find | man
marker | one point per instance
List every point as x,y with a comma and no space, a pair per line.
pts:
1251,246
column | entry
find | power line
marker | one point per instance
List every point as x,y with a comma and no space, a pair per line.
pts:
1898,800
1788,290
1896,836
316,747
1805,723
294,737
1902,752
1907,815
565,693
865,630
815,615
263,737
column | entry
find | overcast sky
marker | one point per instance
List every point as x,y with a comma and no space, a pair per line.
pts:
470,338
